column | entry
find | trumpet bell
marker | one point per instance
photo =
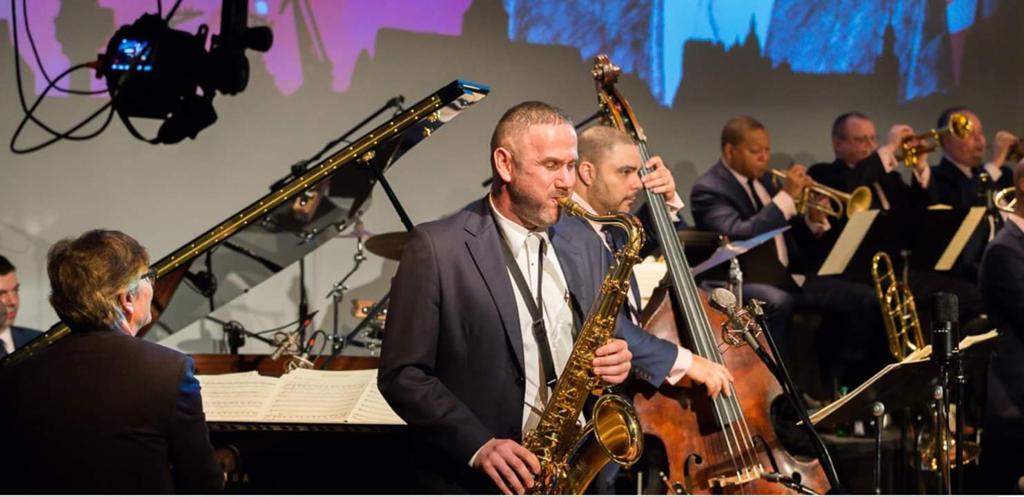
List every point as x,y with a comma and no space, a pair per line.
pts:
858,201
959,126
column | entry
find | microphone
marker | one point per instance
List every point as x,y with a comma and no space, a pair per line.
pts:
204,282
724,301
289,341
945,326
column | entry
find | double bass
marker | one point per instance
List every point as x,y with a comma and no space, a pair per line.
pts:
723,445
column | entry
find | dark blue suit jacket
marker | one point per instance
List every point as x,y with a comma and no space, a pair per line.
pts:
106,413
959,191
1002,287
721,204
452,358
22,336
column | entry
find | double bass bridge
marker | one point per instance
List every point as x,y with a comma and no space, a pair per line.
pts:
741,477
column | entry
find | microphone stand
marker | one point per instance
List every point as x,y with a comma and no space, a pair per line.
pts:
778,369
370,316
338,292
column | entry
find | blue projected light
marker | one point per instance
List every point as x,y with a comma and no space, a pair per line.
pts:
647,37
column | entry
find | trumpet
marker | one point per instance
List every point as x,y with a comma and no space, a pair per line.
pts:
1005,200
839,203
959,127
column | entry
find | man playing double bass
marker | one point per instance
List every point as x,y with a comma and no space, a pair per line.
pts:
608,181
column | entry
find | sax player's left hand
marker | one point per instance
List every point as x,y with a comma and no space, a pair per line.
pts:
612,361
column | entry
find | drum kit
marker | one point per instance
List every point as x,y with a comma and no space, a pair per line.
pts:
372,314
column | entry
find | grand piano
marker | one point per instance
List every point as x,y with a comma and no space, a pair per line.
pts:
301,213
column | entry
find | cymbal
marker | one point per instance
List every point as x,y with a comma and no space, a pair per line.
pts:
388,245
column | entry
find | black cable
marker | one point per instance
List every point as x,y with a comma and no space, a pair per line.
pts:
170,14
159,8
58,136
279,328
39,60
21,95
323,343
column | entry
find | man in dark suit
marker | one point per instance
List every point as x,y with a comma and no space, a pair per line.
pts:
461,361
958,181
1002,284
607,180
11,337
861,162
738,198
100,411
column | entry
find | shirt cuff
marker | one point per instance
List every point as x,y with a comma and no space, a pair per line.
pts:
785,204
993,171
684,359
477,453
923,177
674,207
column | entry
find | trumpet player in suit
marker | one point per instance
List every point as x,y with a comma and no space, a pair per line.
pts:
738,198
1002,285
861,162
958,181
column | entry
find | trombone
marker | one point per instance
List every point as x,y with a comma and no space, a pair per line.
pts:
839,202
959,127
899,311
1005,200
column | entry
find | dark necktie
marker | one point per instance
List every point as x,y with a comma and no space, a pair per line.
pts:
3,349
614,237
753,194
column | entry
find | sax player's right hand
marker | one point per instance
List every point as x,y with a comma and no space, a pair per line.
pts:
510,465
712,375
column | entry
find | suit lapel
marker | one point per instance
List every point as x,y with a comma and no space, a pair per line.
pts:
483,241
735,191
576,264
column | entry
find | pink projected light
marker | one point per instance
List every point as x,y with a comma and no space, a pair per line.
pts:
337,30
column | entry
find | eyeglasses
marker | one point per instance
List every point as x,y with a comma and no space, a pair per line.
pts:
149,275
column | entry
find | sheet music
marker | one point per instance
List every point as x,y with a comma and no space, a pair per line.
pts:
235,396
372,409
963,234
308,396
851,238
300,396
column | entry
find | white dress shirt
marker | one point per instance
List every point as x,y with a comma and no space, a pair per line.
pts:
684,358
557,312
7,340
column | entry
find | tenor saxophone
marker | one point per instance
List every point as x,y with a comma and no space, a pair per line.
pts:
570,455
